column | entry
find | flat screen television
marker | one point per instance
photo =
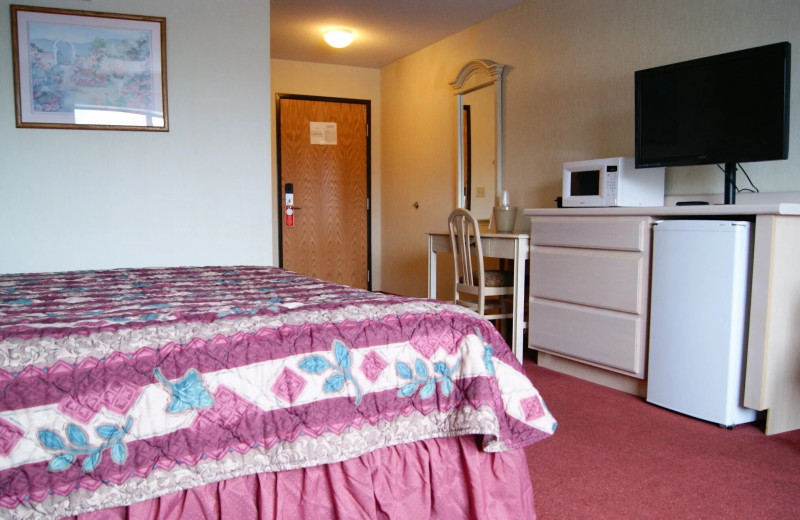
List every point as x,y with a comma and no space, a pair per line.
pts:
725,109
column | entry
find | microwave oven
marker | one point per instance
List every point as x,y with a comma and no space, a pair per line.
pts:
611,182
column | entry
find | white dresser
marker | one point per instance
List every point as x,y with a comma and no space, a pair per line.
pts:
588,290
589,298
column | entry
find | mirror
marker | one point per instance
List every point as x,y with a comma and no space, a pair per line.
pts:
479,101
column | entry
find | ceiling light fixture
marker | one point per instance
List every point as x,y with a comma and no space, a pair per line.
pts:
339,38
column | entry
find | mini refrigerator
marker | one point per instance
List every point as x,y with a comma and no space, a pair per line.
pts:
698,315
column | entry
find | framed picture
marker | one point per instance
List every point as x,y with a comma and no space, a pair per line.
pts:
88,70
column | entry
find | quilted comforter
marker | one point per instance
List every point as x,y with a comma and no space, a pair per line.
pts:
118,386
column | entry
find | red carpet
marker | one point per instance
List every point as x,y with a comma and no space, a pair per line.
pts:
616,456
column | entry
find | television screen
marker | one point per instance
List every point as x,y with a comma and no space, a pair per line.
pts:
729,108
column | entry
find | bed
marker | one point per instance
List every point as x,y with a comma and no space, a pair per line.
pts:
254,392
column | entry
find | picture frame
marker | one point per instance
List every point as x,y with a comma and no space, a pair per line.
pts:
89,70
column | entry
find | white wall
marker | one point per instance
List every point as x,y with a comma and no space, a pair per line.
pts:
316,79
197,195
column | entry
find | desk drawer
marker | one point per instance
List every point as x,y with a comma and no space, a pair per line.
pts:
605,279
623,233
604,338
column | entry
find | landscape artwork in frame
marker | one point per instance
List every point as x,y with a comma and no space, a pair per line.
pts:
89,70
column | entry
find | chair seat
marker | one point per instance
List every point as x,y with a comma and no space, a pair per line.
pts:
497,278
493,278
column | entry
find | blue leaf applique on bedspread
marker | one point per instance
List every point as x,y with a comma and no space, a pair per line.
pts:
424,380
342,373
188,393
77,444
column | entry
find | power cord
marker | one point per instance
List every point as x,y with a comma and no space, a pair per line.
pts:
738,189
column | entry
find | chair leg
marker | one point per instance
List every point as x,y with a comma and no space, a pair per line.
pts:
506,305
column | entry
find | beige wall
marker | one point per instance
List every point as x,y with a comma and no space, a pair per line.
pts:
315,79
569,96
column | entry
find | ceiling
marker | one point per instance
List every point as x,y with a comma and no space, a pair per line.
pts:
385,30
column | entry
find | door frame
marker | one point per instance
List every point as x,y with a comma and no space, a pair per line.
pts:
279,190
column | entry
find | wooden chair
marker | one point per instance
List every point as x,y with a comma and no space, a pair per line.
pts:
475,287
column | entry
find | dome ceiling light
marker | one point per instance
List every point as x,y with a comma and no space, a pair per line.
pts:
339,38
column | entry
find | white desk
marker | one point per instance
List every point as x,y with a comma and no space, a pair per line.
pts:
513,246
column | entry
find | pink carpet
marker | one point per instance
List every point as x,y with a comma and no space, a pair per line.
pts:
616,456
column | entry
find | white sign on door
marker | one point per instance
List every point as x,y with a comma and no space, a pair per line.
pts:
323,133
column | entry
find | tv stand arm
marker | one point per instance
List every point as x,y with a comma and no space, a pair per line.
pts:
730,183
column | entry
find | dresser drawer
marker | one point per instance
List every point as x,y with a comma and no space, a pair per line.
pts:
605,279
604,338
623,233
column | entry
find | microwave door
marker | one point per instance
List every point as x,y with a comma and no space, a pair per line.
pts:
583,183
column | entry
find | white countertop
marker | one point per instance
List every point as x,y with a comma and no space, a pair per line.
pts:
782,208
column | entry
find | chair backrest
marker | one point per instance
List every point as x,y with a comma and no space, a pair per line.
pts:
465,241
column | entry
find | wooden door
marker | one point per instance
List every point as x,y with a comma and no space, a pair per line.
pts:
323,153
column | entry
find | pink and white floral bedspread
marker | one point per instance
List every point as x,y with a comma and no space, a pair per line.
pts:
122,385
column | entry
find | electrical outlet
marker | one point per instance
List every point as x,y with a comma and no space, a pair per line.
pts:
480,192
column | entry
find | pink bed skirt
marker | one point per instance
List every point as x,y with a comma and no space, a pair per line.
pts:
449,478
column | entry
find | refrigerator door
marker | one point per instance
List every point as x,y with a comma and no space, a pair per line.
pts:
698,313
